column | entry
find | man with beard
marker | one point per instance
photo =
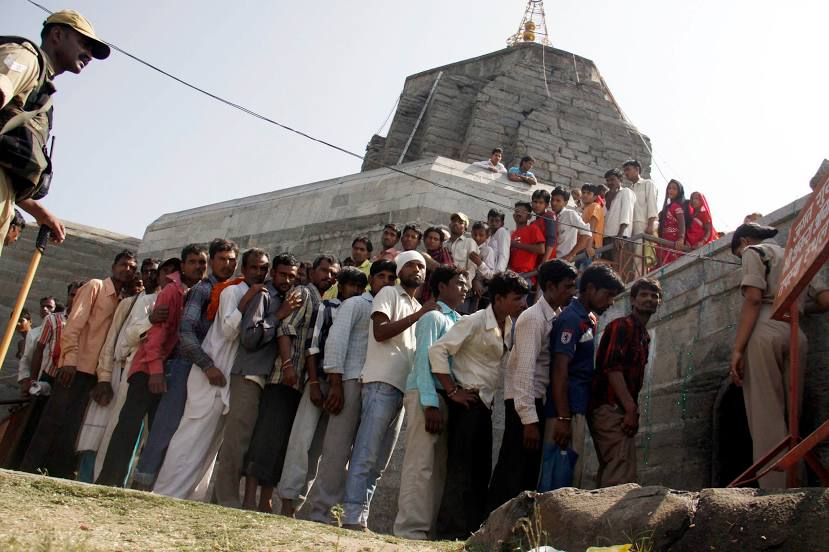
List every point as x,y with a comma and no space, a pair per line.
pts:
281,396
193,328
389,358
253,365
147,381
572,347
193,448
345,355
620,372
53,446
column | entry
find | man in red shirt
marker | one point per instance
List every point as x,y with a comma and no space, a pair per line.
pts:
527,242
146,375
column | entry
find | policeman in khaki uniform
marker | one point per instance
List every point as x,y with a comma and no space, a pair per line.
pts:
760,358
68,43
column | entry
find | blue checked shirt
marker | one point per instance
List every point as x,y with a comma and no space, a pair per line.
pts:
345,348
194,324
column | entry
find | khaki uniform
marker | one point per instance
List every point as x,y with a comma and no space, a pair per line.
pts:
767,361
19,68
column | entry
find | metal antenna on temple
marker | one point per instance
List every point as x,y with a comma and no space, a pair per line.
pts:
533,26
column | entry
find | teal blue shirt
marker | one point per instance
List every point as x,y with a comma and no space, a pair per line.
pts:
429,329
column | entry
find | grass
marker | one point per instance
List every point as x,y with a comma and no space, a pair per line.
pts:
46,514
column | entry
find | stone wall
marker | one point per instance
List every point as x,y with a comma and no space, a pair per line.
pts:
570,124
324,217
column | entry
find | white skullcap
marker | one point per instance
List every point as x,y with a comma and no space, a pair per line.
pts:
406,257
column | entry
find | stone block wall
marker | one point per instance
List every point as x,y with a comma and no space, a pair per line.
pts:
569,124
324,217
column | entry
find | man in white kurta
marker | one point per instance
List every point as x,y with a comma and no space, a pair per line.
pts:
193,448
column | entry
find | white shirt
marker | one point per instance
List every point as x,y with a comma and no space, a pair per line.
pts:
528,367
620,212
500,244
478,349
136,324
570,227
487,164
645,206
221,344
460,249
487,267
391,360
24,366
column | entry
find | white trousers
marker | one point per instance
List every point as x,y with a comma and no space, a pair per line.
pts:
191,455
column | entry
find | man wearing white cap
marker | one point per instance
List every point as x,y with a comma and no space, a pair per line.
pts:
68,43
389,358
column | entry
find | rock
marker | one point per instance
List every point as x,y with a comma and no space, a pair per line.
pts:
574,519
660,519
793,520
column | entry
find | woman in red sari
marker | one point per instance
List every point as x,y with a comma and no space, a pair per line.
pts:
672,222
701,227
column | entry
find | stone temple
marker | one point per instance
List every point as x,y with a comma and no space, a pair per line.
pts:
528,99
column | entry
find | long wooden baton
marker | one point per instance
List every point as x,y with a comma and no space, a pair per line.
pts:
40,247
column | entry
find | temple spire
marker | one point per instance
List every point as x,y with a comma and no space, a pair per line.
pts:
533,26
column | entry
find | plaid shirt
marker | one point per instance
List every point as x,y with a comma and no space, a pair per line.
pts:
623,348
299,326
194,324
50,339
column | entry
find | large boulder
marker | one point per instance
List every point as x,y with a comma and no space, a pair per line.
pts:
573,519
660,519
795,520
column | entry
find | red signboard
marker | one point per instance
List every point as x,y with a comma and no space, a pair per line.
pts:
807,249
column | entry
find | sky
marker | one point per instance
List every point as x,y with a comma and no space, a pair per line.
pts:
732,94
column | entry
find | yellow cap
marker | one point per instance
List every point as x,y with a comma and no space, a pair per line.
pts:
73,19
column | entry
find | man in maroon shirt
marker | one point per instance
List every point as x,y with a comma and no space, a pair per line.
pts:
620,371
146,376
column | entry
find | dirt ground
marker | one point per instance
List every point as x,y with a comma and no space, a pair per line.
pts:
46,514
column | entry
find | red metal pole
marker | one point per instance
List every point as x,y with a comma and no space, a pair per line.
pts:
794,396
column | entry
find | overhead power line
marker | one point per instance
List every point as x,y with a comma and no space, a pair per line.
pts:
307,136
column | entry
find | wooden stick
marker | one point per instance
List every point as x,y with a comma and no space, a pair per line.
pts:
40,247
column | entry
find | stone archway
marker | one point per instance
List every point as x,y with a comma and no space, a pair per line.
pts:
731,451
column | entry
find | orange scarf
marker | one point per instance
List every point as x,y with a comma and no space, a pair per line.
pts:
213,307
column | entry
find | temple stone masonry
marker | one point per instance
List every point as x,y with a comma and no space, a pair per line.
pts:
528,99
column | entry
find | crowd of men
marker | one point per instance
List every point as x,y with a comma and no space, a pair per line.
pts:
294,379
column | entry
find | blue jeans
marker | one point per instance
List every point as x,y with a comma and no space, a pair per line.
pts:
380,421
165,422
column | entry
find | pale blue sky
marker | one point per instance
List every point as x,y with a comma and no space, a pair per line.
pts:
732,93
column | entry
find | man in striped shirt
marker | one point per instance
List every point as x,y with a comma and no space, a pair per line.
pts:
525,385
280,398
345,354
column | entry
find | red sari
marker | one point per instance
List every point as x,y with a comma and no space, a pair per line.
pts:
695,236
670,231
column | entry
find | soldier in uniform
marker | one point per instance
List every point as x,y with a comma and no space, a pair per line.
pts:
760,356
68,43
